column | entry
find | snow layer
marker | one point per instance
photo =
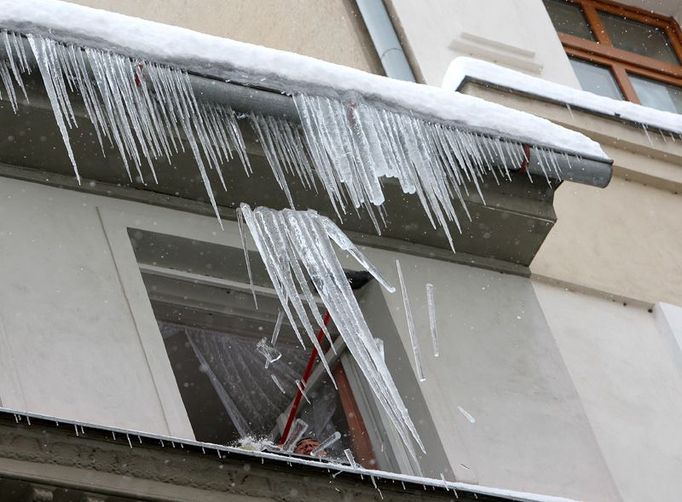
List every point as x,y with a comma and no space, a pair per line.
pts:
462,68
283,71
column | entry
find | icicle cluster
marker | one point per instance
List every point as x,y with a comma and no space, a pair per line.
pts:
144,109
296,246
283,146
354,145
13,67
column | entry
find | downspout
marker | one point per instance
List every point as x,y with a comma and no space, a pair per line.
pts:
385,40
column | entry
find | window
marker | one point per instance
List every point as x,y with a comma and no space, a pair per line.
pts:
622,52
201,299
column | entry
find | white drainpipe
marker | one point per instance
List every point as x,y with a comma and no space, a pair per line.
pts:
385,39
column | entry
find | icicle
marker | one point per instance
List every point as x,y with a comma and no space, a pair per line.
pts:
351,459
52,74
278,327
270,353
467,415
144,109
295,245
410,324
354,145
326,444
431,304
295,434
301,388
242,237
279,385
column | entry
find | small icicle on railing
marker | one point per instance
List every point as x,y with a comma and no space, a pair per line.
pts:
296,246
144,109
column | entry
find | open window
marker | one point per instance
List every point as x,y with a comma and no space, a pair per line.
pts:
202,301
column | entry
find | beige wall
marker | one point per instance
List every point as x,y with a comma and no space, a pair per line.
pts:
624,240
331,30
626,370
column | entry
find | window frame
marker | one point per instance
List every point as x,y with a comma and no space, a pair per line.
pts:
363,446
621,62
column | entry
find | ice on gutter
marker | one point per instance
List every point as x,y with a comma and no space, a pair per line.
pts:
464,68
438,145
278,70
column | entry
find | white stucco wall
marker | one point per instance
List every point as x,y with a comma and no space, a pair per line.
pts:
628,377
72,347
513,33
499,362
83,342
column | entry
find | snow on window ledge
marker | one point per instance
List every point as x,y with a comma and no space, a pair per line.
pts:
465,68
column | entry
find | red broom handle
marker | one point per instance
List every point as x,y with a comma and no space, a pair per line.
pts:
304,379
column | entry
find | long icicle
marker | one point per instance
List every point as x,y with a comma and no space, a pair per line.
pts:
288,240
410,324
431,306
143,109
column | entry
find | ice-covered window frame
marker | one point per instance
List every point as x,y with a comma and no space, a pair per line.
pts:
622,52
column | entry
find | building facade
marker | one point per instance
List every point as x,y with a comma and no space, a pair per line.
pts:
559,318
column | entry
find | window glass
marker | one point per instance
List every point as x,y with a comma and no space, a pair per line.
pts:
596,78
569,18
657,94
640,38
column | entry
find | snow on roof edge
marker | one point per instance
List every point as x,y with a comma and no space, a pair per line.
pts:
280,70
464,67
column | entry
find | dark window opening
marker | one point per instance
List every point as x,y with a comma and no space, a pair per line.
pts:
210,327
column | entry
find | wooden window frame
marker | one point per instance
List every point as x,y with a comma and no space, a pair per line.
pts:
618,61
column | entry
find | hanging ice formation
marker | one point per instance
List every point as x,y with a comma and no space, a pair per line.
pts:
13,67
433,320
410,324
147,111
144,109
297,245
352,146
